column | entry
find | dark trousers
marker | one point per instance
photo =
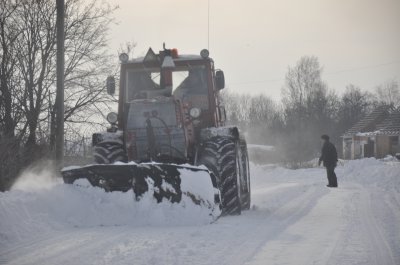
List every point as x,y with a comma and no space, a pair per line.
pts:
330,172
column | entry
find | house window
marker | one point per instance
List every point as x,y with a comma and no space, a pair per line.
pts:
394,144
394,140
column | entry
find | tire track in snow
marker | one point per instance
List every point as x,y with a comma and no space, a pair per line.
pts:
378,242
270,226
311,239
62,249
294,211
362,241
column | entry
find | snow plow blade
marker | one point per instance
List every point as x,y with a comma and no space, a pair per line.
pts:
166,181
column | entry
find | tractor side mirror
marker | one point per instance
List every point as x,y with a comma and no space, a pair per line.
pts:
110,83
222,113
220,79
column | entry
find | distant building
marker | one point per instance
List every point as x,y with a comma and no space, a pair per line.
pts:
376,135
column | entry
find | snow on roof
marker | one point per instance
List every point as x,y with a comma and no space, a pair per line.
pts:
366,133
391,125
383,120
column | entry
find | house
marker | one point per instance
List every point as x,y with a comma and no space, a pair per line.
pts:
376,135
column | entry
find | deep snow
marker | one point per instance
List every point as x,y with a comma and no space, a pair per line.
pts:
294,219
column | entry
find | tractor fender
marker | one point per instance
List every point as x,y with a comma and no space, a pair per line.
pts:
99,137
227,131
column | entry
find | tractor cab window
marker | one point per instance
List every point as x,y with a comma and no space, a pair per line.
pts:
139,82
192,86
189,84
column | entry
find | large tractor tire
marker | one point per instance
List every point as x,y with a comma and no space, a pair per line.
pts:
245,174
221,155
109,151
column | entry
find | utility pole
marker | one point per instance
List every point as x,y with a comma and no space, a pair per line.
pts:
208,25
59,105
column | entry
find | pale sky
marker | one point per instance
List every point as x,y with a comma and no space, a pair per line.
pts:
254,41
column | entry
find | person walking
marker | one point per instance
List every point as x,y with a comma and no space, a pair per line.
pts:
329,158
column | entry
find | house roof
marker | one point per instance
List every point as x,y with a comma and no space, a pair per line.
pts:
391,125
369,123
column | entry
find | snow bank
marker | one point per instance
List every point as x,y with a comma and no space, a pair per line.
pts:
39,204
383,173
261,147
370,171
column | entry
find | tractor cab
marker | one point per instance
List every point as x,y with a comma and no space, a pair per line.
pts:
189,79
165,100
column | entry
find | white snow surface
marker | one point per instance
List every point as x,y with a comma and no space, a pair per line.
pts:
295,219
261,147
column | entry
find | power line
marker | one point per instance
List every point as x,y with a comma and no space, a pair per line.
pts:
328,73
363,68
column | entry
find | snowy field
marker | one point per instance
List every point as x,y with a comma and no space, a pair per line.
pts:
294,219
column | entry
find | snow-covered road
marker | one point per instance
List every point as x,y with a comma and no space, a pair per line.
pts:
295,219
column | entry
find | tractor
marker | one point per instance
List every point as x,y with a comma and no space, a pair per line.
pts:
170,119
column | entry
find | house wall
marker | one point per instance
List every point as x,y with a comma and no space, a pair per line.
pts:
395,145
347,148
358,146
383,147
355,147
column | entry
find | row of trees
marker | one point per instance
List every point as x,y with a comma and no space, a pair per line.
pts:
307,110
28,76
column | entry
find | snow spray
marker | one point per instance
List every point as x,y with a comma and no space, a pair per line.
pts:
40,175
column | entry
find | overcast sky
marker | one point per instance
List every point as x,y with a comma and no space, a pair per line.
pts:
254,41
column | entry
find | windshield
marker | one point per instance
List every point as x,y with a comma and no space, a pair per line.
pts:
160,115
189,83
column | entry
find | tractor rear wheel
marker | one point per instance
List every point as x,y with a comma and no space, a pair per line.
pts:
109,151
221,156
246,190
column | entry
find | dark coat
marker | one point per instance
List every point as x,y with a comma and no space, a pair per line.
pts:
329,155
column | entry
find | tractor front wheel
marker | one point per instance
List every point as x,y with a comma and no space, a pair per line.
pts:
245,174
109,151
221,155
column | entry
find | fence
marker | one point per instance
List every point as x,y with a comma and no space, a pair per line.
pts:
78,151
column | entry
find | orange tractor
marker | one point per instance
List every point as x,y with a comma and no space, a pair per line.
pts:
170,120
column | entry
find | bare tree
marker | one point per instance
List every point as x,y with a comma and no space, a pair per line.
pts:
354,105
388,93
302,81
87,62
36,48
258,116
261,109
27,67
9,110
309,109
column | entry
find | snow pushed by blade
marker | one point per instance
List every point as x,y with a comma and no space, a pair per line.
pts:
200,186
48,205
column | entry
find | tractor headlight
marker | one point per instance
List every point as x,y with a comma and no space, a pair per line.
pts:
123,57
195,113
204,53
112,117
